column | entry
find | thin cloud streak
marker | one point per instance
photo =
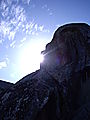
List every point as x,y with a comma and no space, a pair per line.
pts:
13,44
3,64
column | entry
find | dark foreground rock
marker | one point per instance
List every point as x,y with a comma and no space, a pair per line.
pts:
60,90
4,86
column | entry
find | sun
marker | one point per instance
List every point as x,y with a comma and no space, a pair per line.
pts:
41,57
31,58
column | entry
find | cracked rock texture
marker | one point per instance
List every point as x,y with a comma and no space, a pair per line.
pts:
60,90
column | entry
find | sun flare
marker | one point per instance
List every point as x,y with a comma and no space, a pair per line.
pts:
41,58
31,58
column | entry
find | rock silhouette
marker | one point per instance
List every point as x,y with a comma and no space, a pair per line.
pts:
4,86
60,90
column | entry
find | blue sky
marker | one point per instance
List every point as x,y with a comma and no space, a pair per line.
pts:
26,26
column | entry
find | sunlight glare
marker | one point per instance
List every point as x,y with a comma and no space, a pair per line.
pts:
31,58
41,58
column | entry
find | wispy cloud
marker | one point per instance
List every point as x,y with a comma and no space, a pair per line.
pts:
46,8
1,41
41,28
26,1
24,39
4,28
11,35
13,44
36,27
20,45
12,18
3,64
33,28
50,13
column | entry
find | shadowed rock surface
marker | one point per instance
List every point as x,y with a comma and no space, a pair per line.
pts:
60,90
4,86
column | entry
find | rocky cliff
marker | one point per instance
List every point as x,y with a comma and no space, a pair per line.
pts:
4,86
60,89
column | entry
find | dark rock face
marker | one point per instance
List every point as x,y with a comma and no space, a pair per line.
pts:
4,86
60,90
